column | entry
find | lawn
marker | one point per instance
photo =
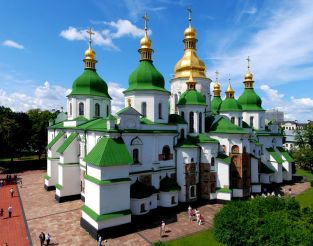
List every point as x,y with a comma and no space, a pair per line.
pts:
200,238
306,198
304,173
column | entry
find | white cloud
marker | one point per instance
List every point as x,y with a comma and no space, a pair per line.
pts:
281,49
12,44
125,28
251,11
116,92
300,109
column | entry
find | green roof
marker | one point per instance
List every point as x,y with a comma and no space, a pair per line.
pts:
146,77
202,138
89,83
250,101
57,138
224,190
176,119
274,154
223,125
186,143
229,105
266,169
94,125
126,109
81,118
105,182
110,117
140,190
285,154
67,142
215,104
191,97
109,152
224,157
169,184
101,217
192,141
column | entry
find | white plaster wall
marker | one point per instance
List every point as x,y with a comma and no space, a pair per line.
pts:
110,172
287,175
258,118
135,205
230,140
222,175
71,154
166,199
236,115
69,178
52,171
254,170
265,178
153,201
196,109
256,188
237,193
223,196
92,196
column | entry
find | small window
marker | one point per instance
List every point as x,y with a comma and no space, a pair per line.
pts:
142,208
251,121
144,109
136,156
191,122
166,152
97,109
81,108
70,108
182,114
108,110
182,133
212,161
192,191
192,160
239,121
232,119
173,200
160,110
235,149
200,122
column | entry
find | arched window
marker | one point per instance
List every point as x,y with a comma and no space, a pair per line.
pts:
81,108
144,109
200,122
191,122
70,108
251,121
182,133
160,110
239,121
173,200
182,114
212,162
97,109
108,110
166,152
235,149
192,191
232,119
136,155
175,102
244,149
142,208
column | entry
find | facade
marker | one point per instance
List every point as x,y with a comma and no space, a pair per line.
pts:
290,128
164,147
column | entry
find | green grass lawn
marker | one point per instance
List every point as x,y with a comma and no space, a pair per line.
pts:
304,173
200,238
306,198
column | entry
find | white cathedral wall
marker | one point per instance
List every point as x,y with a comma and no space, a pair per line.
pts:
254,170
69,178
208,150
236,115
287,175
196,109
166,199
229,140
135,205
107,173
52,172
222,177
258,118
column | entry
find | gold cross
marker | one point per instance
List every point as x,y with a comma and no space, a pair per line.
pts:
217,73
146,19
89,31
190,11
248,59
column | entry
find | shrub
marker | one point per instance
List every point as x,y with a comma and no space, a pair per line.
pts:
311,183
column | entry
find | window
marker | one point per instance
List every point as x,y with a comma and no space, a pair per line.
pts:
108,111
192,191
142,208
232,119
191,122
144,109
212,162
160,110
191,160
70,108
235,149
81,108
97,109
175,102
239,121
251,121
200,122
182,114
173,200
166,152
136,156
182,133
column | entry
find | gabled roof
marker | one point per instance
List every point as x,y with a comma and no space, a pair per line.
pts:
57,138
202,138
193,141
275,155
109,152
110,117
67,142
285,154
224,125
128,111
95,125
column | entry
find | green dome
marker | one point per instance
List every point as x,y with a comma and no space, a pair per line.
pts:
215,103
229,104
89,83
249,100
146,77
169,184
191,97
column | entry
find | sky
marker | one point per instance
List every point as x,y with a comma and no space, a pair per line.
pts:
42,45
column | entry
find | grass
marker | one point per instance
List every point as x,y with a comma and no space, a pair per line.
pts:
306,198
199,238
304,173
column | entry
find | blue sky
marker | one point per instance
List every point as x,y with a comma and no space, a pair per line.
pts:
43,44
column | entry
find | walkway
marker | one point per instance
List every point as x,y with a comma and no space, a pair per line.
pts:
13,229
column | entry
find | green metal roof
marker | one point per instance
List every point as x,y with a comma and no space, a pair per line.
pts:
186,143
275,155
109,152
140,190
57,138
285,154
67,142
224,157
202,138
191,97
223,190
146,77
215,104
169,184
89,83
192,141
250,101
94,125
110,117
101,217
176,119
223,125
229,105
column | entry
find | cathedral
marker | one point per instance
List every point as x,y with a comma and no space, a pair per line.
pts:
164,147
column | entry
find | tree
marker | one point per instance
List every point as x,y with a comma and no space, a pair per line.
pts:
303,154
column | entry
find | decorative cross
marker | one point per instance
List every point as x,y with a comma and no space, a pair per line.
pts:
217,73
90,32
248,59
146,19
190,11
229,78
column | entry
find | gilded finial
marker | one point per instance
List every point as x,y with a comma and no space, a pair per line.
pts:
248,59
217,88
90,32
129,102
90,61
189,19
146,19
248,76
230,91
216,75
191,83
145,43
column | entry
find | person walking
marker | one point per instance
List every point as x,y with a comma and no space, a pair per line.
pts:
42,238
10,209
162,229
48,238
12,192
1,212
99,240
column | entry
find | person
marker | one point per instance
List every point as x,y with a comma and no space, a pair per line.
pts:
48,238
201,218
99,240
10,209
42,238
1,212
162,228
190,213
12,192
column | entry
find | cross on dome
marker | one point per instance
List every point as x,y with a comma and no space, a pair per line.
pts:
217,73
190,19
248,59
90,32
146,19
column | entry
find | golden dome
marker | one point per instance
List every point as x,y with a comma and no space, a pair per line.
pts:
217,86
145,42
230,88
248,76
90,54
190,32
